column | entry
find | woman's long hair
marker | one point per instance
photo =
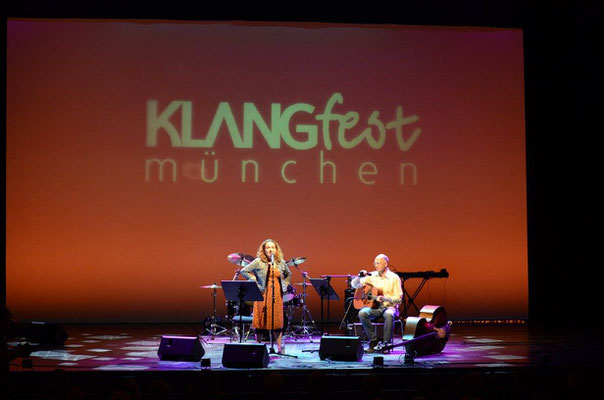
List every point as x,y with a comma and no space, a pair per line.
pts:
262,255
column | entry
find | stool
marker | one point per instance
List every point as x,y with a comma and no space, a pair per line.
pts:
246,320
378,325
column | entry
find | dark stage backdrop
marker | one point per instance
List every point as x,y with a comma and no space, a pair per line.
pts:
141,153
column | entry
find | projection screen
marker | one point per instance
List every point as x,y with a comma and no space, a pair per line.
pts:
140,154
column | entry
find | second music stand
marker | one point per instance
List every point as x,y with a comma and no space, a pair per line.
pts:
326,292
241,291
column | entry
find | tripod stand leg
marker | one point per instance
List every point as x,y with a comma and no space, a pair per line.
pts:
247,334
289,331
307,329
215,329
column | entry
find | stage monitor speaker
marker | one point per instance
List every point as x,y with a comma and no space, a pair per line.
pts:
180,348
47,334
245,355
341,348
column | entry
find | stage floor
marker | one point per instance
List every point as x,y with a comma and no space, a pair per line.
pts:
494,361
135,348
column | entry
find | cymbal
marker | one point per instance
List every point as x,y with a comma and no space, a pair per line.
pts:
213,286
240,259
295,261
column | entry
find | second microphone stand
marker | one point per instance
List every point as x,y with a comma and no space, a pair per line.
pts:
348,298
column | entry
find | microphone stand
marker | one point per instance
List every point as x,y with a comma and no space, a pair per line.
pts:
271,275
271,331
344,321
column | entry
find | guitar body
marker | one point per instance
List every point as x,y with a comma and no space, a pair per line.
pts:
365,297
432,326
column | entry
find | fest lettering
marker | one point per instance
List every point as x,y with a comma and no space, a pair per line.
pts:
374,134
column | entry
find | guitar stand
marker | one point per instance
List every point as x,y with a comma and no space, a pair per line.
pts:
346,313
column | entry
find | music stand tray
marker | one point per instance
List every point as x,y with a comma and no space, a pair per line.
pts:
326,292
324,289
241,291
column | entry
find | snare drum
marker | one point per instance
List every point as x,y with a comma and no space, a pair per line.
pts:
290,293
296,301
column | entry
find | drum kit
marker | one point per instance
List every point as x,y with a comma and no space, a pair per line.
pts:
292,302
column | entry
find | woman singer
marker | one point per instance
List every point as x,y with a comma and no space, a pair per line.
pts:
272,276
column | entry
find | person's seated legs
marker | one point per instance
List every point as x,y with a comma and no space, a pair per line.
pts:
388,315
366,314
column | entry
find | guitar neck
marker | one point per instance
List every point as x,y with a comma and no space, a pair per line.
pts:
389,300
415,339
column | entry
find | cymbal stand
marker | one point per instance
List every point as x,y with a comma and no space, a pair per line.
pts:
307,323
215,329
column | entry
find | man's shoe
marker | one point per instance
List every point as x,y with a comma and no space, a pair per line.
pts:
372,346
379,348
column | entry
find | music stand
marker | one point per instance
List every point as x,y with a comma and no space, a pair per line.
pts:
241,291
326,292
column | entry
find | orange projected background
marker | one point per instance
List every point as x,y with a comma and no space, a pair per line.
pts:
141,153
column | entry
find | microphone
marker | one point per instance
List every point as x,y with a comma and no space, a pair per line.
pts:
272,258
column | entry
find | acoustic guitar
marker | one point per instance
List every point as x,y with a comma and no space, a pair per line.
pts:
426,334
366,296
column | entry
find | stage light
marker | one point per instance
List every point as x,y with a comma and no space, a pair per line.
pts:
378,362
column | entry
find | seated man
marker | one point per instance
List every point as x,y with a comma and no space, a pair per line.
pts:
390,296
